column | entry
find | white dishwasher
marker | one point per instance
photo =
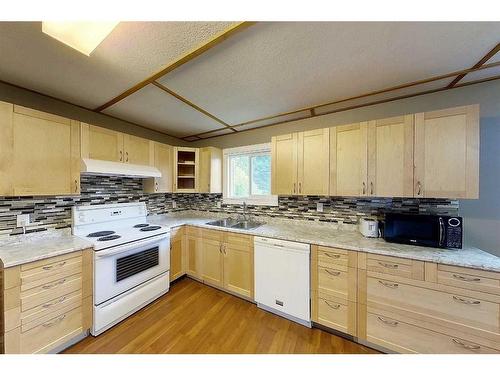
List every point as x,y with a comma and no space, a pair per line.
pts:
282,278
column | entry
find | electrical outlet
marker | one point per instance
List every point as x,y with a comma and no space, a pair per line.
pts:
23,220
319,207
219,204
174,204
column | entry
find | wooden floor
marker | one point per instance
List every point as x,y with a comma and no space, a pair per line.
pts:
195,318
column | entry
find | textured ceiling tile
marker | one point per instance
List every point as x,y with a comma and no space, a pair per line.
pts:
131,53
155,109
275,67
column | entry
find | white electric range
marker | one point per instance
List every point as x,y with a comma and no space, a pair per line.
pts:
131,259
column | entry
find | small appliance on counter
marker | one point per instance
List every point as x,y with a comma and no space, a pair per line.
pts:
424,230
368,226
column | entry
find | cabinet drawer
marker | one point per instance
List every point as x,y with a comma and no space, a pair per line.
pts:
52,333
68,301
193,231
240,240
50,261
483,281
337,313
458,308
340,258
393,333
411,269
49,273
50,291
214,235
337,283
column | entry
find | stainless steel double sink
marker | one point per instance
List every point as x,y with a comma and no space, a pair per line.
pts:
236,224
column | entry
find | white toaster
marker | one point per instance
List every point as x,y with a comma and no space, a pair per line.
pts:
368,226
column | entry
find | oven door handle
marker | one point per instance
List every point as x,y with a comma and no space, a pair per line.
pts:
130,246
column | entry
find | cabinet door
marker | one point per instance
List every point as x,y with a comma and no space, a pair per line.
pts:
210,171
163,160
102,144
390,157
313,162
238,265
6,148
186,169
137,150
348,160
284,164
176,253
194,256
212,262
447,153
46,149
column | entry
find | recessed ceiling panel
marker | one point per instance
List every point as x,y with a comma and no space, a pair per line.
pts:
275,67
481,74
217,133
155,109
131,53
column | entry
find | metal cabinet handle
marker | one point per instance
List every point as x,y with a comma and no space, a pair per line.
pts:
419,188
55,321
47,305
294,186
466,346
371,187
333,273
121,155
388,285
364,188
335,307
76,186
220,248
392,323
54,284
156,186
335,256
300,187
126,154
224,249
389,265
46,268
466,301
463,278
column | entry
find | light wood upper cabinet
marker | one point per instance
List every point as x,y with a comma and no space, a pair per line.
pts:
313,162
210,171
447,153
39,153
101,144
186,169
138,150
284,164
163,160
348,160
390,157
238,264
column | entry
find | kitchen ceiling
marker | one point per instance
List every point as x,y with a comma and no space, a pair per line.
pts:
262,70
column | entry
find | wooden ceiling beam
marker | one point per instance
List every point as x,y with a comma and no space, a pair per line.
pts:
179,62
480,63
368,104
192,105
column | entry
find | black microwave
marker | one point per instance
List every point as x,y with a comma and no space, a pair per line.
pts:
424,230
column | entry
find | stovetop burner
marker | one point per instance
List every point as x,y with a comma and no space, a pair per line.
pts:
141,225
101,233
150,228
109,238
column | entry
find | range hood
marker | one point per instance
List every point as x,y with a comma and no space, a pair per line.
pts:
112,168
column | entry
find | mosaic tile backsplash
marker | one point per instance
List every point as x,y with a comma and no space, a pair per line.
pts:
55,211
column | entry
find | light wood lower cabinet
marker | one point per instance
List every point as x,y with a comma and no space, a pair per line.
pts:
46,303
212,264
238,265
177,253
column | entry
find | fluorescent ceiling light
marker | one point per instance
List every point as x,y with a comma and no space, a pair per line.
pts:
82,36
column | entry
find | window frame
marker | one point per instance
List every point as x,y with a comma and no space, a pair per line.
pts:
253,150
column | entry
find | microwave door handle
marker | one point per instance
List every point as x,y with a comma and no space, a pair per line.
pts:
441,231
130,246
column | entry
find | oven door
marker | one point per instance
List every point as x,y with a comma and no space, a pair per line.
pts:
124,267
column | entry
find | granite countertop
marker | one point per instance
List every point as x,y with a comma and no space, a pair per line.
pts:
26,248
20,249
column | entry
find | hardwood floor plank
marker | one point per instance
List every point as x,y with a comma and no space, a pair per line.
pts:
195,318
